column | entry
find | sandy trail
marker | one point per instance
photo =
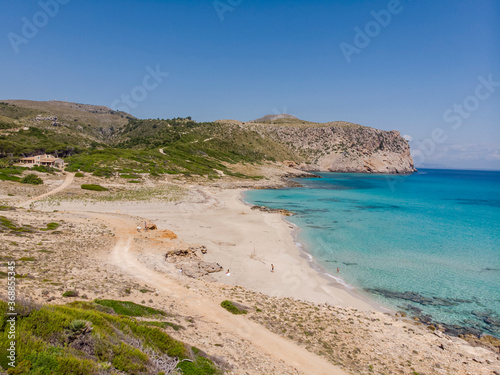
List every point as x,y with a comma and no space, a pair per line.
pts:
270,343
67,181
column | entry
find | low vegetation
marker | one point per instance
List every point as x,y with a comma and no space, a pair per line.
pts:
7,225
89,338
94,187
44,169
9,173
232,308
32,179
175,327
129,308
70,293
52,226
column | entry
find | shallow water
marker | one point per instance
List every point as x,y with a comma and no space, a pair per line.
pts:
426,243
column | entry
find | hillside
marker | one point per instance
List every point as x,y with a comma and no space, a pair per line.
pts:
100,140
99,337
341,146
338,146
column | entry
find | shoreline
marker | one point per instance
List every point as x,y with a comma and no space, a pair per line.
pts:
412,312
247,242
333,281
244,241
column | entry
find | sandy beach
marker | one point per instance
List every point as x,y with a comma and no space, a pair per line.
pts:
243,241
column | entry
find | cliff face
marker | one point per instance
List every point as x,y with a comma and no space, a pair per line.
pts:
344,147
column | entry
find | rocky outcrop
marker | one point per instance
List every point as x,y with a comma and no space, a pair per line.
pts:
187,259
272,210
199,269
343,147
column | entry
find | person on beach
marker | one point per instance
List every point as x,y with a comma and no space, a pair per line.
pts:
338,270
272,267
145,227
228,273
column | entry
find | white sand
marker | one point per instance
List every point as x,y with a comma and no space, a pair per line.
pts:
244,241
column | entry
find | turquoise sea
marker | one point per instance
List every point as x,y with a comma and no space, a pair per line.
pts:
427,243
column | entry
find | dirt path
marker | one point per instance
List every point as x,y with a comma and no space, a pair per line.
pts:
67,181
270,343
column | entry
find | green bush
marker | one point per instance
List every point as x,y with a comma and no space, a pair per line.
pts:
94,187
79,174
132,176
70,293
44,169
77,325
104,172
129,308
130,360
175,327
202,366
52,226
9,173
229,306
32,179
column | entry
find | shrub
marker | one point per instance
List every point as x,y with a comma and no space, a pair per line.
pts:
130,360
129,308
94,187
9,173
32,179
43,169
175,327
229,306
70,293
77,325
132,176
52,226
79,174
201,366
104,172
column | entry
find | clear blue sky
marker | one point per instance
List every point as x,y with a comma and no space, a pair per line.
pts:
257,57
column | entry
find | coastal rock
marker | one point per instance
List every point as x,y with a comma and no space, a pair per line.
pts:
199,269
184,252
273,210
173,256
342,147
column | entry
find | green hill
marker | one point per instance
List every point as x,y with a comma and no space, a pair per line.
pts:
105,142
